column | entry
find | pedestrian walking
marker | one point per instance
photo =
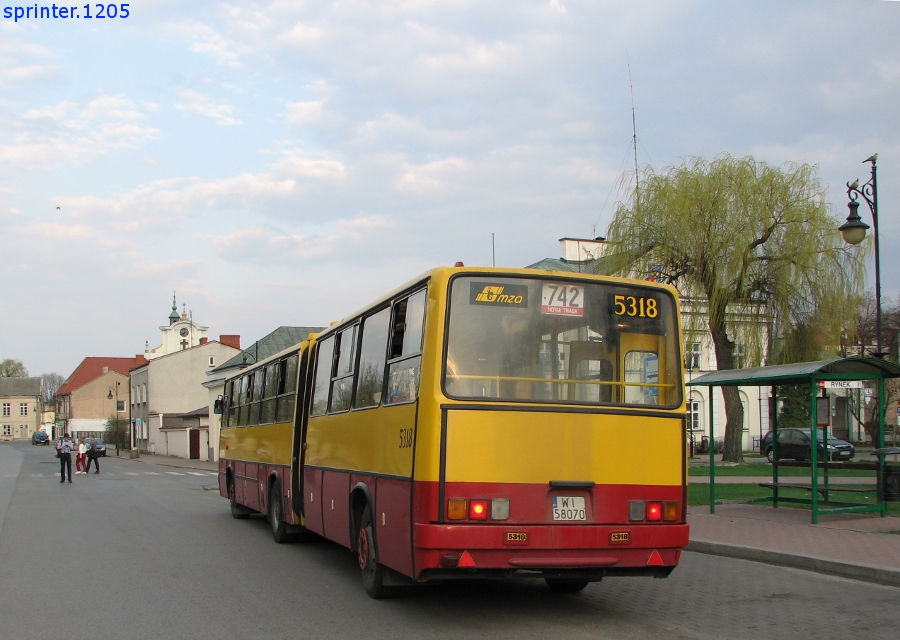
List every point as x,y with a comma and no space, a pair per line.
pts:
64,448
92,456
81,458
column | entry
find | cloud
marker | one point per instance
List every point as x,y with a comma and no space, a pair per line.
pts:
294,164
199,103
67,132
304,112
263,245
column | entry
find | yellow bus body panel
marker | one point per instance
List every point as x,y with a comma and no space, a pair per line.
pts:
264,444
363,440
522,447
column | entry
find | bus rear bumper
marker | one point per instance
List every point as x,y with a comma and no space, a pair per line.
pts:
600,549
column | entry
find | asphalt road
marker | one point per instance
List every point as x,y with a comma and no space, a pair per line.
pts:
148,551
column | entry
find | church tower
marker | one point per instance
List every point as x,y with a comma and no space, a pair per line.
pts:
181,333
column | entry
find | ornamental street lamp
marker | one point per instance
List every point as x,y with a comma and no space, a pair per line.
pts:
854,231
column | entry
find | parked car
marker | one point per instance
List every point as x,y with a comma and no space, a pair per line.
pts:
99,447
793,444
40,437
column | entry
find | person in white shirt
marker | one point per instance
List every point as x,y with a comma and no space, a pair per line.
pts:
64,446
81,458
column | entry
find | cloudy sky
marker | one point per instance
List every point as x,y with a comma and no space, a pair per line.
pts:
282,163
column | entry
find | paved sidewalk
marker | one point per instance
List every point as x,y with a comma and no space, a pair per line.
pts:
169,461
856,546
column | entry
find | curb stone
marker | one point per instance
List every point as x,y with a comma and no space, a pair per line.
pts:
863,572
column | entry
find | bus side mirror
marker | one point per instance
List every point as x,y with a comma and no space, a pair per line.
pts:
217,406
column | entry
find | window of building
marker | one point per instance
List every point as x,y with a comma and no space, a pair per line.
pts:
694,355
693,415
212,361
23,408
7,409
7,429
120,406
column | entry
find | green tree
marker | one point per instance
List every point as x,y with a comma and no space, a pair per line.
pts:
12,369
117,432
755,243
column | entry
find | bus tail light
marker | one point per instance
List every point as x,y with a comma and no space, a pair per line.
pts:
654,511
670,511
636,510
500,509
456,509
478,509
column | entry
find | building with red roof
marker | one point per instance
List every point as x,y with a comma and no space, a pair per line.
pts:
96,391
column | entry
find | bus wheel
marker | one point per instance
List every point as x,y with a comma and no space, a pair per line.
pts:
276,515
561,585
367,552
237,511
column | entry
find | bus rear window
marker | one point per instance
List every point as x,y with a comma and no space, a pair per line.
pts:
561,341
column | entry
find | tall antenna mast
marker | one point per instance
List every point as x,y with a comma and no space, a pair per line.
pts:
637,182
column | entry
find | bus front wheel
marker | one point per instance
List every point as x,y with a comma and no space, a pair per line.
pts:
367,552
276,515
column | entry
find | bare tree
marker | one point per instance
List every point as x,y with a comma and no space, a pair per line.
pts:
51,382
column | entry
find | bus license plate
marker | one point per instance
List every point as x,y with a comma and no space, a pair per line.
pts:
568,508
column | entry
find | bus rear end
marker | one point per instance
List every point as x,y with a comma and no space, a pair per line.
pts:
561,447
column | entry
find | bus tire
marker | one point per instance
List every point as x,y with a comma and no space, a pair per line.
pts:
367,553
562,585
238,511
276,515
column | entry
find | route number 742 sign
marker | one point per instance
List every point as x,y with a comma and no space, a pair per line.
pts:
558,299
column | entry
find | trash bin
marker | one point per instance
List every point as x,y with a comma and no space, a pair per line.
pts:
891,483
890,479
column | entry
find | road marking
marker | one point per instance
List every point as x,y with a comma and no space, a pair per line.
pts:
174,473
131,473
37,475
152,473
214,474
194,473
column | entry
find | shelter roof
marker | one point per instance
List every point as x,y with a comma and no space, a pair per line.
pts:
91,368
275,342
800,372
11,387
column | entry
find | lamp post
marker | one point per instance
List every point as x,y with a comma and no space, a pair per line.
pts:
854,231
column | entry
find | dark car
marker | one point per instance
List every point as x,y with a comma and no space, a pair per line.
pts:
99,447
793,444
40,437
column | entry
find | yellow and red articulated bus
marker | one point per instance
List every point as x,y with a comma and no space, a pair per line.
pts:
475,423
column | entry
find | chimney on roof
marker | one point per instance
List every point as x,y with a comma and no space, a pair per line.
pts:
204,340
105,369
140,358
232,340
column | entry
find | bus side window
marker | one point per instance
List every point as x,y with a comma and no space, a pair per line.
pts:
324,361
287,388
405,366
243,409
373,351
226,405
267,411
258,382
342,384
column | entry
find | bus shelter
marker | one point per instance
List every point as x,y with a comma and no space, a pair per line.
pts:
816,375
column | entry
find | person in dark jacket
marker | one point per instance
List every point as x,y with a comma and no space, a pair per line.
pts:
92,456
64,448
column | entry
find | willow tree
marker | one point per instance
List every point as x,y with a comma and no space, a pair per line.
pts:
755,247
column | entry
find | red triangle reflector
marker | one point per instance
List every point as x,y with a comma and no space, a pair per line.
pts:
655,559
465,560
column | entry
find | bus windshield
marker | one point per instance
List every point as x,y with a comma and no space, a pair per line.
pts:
561,341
